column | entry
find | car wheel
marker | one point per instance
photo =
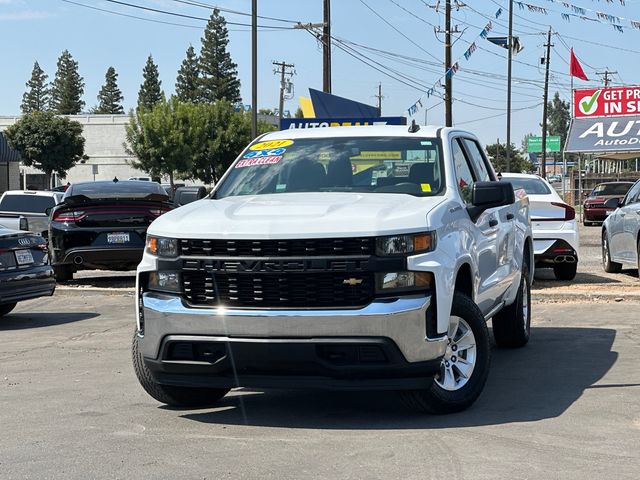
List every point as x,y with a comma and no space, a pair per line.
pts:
607,264
565,271
170,395
512,324
63,273
6,308
464,367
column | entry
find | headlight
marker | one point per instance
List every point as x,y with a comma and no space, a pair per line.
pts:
162,247
406,244
164,282
401,281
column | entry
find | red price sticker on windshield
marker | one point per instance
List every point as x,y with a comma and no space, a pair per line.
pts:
250,162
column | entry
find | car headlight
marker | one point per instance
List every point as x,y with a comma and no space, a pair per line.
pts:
402,281
406,244
165,282
162,247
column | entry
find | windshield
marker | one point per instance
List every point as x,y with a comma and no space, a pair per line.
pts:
348,164
611,189
128,189
533,186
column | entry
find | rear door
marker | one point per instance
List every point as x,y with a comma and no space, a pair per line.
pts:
486,230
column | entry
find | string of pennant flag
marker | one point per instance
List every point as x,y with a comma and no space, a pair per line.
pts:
417,105
617,22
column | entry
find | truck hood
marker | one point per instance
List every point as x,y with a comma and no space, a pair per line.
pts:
297,215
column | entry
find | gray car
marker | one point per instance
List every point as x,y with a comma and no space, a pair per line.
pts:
621,232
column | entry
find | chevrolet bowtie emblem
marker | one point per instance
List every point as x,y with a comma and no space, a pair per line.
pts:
352,281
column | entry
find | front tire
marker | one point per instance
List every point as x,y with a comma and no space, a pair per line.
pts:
6,308
512,324
608,265
465,366
170,395
565,271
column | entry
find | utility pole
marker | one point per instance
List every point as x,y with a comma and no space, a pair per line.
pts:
379,96
448,84
326,48
606,74
509,62
544,108
282,70
254,68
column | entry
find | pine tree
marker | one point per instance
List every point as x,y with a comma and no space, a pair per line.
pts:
187,82
68,87
150,92
110,95
36,98
218,73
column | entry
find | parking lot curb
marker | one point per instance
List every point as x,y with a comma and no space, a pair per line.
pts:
555,297
86,291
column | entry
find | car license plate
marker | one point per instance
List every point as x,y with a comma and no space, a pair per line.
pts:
23,257
117,238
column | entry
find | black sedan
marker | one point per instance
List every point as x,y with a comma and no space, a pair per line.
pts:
102,225
25,272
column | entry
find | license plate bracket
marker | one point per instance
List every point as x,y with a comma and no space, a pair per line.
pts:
23,257
118,238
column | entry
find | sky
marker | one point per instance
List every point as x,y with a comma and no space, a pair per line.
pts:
387,42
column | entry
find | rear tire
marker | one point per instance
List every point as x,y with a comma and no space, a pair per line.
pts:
565,271
63,273
512,324
451,391
170,395
607,264
6,308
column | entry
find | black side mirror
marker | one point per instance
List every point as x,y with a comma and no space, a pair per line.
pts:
613,203
485,195
48,211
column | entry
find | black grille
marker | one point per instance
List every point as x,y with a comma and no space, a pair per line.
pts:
279,248
281,290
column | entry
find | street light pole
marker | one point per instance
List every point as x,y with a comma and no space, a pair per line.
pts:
254,68
509,62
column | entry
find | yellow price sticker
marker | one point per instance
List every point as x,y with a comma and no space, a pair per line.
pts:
271,144
425,187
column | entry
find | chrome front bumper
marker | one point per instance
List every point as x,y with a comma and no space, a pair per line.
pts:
402,321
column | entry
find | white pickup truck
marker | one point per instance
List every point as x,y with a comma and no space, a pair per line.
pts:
344,258
28,209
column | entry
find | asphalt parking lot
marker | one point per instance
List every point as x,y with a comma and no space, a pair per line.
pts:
566,406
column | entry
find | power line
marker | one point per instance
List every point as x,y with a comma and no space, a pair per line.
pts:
182,15
397,30
209,6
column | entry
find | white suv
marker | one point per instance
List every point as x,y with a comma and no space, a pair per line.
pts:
347,257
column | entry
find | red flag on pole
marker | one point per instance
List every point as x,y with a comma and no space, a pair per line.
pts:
575,69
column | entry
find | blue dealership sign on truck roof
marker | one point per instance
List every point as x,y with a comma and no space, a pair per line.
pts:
288,123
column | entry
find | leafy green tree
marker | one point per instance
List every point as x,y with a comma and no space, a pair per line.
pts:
150,92
517,161
558,118
110,96
68,87
188,140
187,83
36,98
218,73
160,139
525,142
48,142
299,113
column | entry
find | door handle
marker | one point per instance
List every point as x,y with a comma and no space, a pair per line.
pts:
493,222
510,216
